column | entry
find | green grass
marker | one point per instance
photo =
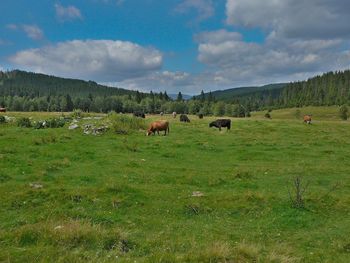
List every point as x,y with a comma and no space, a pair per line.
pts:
129,197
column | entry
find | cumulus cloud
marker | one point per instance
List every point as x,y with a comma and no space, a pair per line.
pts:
101,60
278,59
68,13
312,19
204,8
32,31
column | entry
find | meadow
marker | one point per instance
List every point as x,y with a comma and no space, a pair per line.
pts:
197,195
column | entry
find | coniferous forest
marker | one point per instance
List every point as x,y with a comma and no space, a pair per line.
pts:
24,91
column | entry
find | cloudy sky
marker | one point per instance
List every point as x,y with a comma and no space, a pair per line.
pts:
176,45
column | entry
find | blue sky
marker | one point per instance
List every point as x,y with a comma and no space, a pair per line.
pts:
183,45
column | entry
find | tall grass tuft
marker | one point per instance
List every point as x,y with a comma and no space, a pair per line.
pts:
124,124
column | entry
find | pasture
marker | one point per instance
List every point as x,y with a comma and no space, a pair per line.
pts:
197,195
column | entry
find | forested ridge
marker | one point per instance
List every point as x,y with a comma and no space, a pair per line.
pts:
331,88
24,91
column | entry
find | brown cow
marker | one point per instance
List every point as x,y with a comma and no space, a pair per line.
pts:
2,109
307,119
157,126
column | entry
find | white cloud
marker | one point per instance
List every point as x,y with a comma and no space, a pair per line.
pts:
32,31
204,8
278,59
101,60
68,13
312,19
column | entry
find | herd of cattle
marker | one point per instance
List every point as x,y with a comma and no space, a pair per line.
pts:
163,125
158,126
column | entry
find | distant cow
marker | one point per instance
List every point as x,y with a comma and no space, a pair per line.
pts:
139,114
157,126
162,113
221,123
174,114
184,118
200,115
307,119
2,109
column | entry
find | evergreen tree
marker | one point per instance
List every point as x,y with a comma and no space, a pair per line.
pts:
179,96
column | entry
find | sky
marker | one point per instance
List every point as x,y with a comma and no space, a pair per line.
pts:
176,45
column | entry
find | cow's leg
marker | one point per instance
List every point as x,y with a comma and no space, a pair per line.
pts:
220,128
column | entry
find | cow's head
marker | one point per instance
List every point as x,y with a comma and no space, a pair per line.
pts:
149,132
211,124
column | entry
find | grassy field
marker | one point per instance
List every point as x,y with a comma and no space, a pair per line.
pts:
70,197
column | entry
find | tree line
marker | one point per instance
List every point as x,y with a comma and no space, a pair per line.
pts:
24,91
332,88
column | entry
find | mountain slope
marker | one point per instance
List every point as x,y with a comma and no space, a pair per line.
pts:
21,83
227,95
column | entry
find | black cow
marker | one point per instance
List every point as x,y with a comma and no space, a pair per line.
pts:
221,123
200,115
139,114
184,118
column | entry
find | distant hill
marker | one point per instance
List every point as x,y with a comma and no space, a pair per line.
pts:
229,94
332,88
184,96
21,83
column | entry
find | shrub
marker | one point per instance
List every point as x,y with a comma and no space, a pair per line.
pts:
267,115
50,123
24,122
77,114
124,124
2,119
343,112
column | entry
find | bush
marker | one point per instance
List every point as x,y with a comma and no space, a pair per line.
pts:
24,122
267,115
343,112
50,123
124,124
77,114
2,119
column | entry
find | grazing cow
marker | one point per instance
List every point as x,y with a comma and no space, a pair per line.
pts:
200,115
162,113
139,114
2,109
221,123
174,114
184,118
307,119
157,126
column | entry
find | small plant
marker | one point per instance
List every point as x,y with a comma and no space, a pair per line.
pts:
343,112
124,124
2,119
297,192
24,122
267,115
77,114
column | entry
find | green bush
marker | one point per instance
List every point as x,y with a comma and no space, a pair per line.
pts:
24,122
77,114
124,124
343,112
267,115
50,123
2,119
